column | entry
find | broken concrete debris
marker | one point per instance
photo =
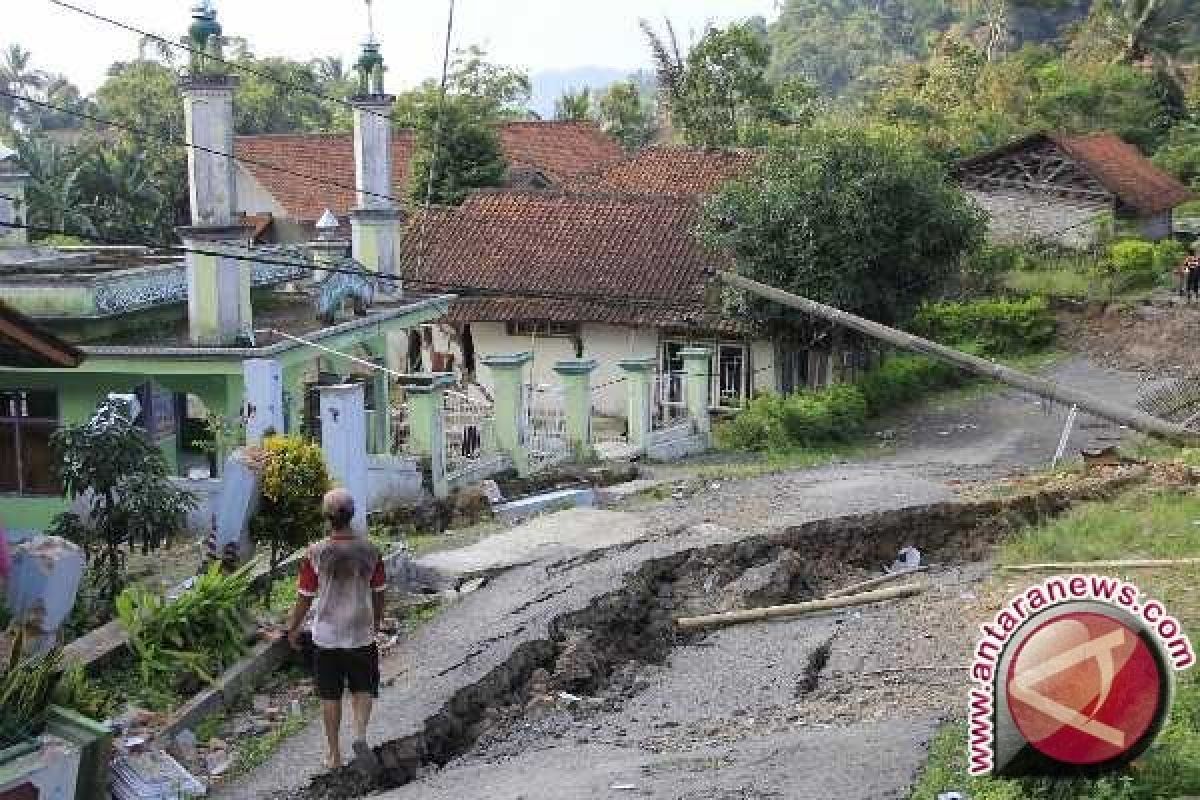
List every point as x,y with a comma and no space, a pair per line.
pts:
153,775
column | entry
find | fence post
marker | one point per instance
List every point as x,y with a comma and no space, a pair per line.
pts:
508,377
639,376
344,441
263,406
576,378
426,425
381,435
697,366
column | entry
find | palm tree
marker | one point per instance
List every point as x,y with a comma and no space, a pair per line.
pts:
670,69
17,77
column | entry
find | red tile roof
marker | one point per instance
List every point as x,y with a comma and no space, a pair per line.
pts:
558,150
1125,172
560,256
1117,165
674,171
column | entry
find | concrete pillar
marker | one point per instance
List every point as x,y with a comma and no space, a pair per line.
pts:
697,368
218,282
639,381
262,409
576,378
426,397
236,505
12,200
508,380
375,220
382,430
46,572
344,442
208,118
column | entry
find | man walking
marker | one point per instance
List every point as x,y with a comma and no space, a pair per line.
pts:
343,576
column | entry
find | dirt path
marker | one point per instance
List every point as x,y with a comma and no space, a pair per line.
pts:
723,717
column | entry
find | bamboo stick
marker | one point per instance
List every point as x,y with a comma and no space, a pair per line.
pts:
871,583
797,609
1097,406
1075,566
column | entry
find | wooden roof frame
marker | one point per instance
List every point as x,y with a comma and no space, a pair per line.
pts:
44,348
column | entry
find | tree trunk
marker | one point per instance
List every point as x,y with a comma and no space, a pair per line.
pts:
1100,407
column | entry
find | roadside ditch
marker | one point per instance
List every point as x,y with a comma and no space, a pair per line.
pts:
586,652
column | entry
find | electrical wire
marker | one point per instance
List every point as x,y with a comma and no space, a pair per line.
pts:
201,148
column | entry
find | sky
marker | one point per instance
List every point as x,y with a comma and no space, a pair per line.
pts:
537,35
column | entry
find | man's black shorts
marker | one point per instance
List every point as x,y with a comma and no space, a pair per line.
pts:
339,670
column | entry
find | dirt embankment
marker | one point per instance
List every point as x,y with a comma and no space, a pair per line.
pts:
1159,337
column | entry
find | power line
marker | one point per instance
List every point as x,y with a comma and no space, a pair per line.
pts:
437,137
235,65
184,143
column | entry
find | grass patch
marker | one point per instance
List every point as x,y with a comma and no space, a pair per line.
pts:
253,751
1169,769
1140,523
773,462
1136,524
1062,283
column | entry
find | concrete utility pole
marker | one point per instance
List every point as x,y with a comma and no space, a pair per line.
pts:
1114,412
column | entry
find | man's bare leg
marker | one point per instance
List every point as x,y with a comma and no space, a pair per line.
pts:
331,710
361,705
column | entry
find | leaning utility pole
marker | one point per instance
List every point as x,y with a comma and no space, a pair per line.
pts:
1114,412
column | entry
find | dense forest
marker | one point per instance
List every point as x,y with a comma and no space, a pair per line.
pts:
952,77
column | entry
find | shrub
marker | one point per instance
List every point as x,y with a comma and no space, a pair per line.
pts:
132,502
804,419
902,379
195,637
996,326
293,480
1169,254
1132,257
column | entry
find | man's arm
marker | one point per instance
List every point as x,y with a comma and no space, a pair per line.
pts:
306,591
296,619
378,593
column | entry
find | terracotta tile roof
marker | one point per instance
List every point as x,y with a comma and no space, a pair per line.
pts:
1117,165
616,258
674,171
558,150
1125,172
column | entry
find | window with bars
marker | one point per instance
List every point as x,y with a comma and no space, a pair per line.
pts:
529,327
27,421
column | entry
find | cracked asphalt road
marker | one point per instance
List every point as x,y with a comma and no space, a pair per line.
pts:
734,727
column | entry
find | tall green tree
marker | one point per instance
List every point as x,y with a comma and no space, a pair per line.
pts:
860,219
456,151
625,112
145,95
574,105
288,101
719,94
